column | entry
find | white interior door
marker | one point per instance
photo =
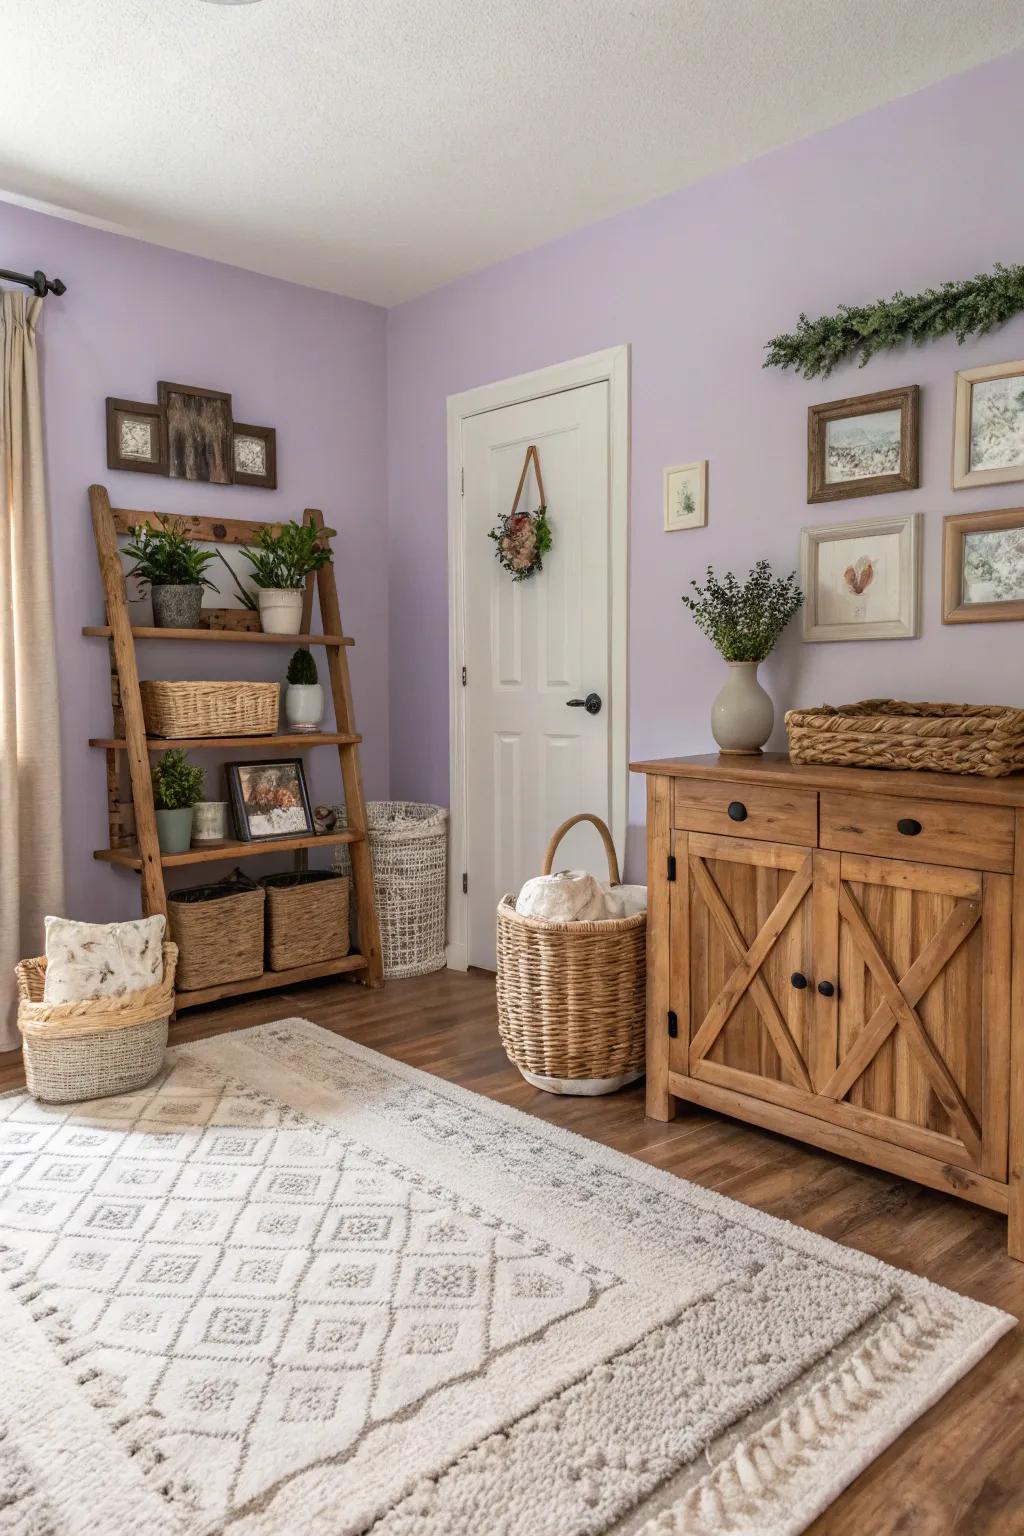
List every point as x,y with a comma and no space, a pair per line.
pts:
532,758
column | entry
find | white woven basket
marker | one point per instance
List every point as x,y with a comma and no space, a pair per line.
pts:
409,850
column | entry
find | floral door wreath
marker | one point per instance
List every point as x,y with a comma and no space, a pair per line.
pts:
522,539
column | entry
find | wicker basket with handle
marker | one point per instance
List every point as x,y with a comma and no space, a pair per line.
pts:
93,1048
986,739
209,709
218,929
307,918
571,996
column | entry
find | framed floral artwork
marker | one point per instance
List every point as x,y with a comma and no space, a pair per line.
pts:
864,445
686,496
983,567
862,580
988,430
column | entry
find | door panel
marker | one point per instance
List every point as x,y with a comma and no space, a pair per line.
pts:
531,762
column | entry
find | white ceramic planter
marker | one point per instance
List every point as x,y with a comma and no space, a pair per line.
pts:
209,821
280,610
304,706
742,716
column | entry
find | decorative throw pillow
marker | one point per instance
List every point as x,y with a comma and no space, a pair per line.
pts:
101,959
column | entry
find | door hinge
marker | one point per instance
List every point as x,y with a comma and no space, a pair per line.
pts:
673,1024
463,677
465,885
462,481
671,866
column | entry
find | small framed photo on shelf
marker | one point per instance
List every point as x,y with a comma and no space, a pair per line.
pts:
863,446
255,456
983,567
988,429
686,496
862,580
136,438
270,799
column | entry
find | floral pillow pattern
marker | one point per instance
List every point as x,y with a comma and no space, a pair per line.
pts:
101,959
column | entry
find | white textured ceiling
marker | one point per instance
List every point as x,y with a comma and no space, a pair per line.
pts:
380,148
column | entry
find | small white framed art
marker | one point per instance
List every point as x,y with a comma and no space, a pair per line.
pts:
686,496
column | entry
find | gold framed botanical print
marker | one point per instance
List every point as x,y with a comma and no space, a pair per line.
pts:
983,567
988,430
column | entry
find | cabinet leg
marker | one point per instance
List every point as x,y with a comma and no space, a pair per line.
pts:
661,1105
1015,1226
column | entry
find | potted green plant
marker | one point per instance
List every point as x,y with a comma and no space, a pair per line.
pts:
177,785
743,622
280,563
304,697
173,568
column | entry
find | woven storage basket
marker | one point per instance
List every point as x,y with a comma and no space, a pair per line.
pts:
986,739
571,996
210,709
218,929
93,1048
409,849
306,918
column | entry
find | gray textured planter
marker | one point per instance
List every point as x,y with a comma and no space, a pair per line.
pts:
177,607
174,830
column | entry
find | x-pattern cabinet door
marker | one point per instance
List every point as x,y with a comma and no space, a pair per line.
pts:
743,946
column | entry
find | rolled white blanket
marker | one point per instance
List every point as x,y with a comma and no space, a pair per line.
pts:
574,896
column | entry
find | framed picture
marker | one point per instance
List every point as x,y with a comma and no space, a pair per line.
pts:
863,446
686,496
135,437
983,567
199,432
254,456
862,581
270,799
988,428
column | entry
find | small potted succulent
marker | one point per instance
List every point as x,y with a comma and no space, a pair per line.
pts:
304,698
743,622
173,568
177,785
280,563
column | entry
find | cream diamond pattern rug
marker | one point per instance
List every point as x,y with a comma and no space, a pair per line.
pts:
294,1286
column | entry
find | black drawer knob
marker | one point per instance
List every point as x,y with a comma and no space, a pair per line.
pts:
737,810
826,989
908,826
798,980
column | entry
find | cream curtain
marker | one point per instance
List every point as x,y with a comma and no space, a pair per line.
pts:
31,852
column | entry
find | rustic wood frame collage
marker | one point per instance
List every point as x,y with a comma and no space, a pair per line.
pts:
194,435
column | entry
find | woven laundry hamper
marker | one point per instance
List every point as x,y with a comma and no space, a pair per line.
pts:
572,996
218,929
409,849
93,1048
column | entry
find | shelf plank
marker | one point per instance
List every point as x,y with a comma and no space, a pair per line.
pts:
128,858
227,636
268,980
208,743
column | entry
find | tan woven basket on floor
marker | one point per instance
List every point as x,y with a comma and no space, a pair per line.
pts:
571,996
96,1047
986,739
307,918
218,929
210,709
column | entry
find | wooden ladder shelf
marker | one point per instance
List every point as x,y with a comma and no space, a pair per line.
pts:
128,739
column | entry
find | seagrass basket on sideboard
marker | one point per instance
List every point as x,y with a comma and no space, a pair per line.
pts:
985,739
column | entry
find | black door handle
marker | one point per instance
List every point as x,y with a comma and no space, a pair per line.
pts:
908,826
798,980
592,703
826,989
737,810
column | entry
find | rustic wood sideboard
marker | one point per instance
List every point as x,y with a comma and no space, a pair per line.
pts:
837,954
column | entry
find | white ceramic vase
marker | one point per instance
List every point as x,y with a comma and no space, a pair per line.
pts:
304,706
742,716
280,610
209,821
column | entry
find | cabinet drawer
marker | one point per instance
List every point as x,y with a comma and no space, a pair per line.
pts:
746,810
928,831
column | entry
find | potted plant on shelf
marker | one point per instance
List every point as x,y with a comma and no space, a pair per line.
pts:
281,562
177,785
743,622
173,568
304,698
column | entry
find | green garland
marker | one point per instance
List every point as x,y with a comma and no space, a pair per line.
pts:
962,309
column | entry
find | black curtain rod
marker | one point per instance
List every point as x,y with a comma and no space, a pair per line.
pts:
40,284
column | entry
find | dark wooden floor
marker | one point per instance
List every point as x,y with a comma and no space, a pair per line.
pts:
959,1471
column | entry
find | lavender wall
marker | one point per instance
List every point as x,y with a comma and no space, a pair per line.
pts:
921,190
311,364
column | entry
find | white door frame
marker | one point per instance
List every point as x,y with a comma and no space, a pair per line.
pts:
612,367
